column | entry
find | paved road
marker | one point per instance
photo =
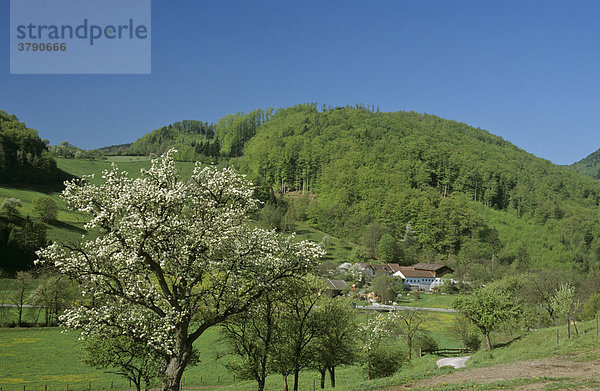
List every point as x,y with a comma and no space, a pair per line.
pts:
456,362
401,308
14,305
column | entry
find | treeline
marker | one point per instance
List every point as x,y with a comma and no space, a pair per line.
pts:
425,181
24,157
197,140
37,297
70,151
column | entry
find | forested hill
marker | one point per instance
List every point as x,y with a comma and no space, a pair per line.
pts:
589,165
24,157
196,140
425,185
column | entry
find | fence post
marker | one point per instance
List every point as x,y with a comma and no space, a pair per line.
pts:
583,327
569,327
557,335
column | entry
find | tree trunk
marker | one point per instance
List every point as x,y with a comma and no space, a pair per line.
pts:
332,376
178,361
261,384
20,314
487,341
296,379
369,370
285,385
173,374
137,382
322,371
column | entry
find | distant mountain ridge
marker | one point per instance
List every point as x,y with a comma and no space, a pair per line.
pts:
589,165
117,149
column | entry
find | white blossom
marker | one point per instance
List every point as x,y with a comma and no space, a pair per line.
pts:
170,256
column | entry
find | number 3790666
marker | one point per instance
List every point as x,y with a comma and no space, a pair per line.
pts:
41,47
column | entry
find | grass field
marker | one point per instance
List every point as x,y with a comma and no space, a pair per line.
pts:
131,164
36,357
428,300
528,361
541,343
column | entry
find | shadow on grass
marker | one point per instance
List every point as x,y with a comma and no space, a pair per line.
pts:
54,184
507,343
70,227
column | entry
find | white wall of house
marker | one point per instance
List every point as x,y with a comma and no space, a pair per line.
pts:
426,283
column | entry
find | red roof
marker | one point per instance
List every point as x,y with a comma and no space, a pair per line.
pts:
429,266
410,272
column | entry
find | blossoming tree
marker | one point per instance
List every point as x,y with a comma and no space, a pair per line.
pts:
172,257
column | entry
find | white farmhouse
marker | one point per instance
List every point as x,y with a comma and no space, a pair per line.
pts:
422,276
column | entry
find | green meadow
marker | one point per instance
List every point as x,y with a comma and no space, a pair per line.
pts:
36,358
40,357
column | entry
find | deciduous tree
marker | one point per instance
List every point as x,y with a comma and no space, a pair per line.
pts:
335,344
173,257
11,206
46,208
487,308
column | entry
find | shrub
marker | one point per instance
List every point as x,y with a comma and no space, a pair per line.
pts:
425,342
591,307
467,333
472,341
386,360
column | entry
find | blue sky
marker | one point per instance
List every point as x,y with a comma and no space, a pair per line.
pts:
526,71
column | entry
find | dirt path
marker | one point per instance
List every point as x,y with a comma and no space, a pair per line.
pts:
546,367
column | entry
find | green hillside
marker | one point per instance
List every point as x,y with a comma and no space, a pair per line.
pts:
405,186
68,226
411,186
